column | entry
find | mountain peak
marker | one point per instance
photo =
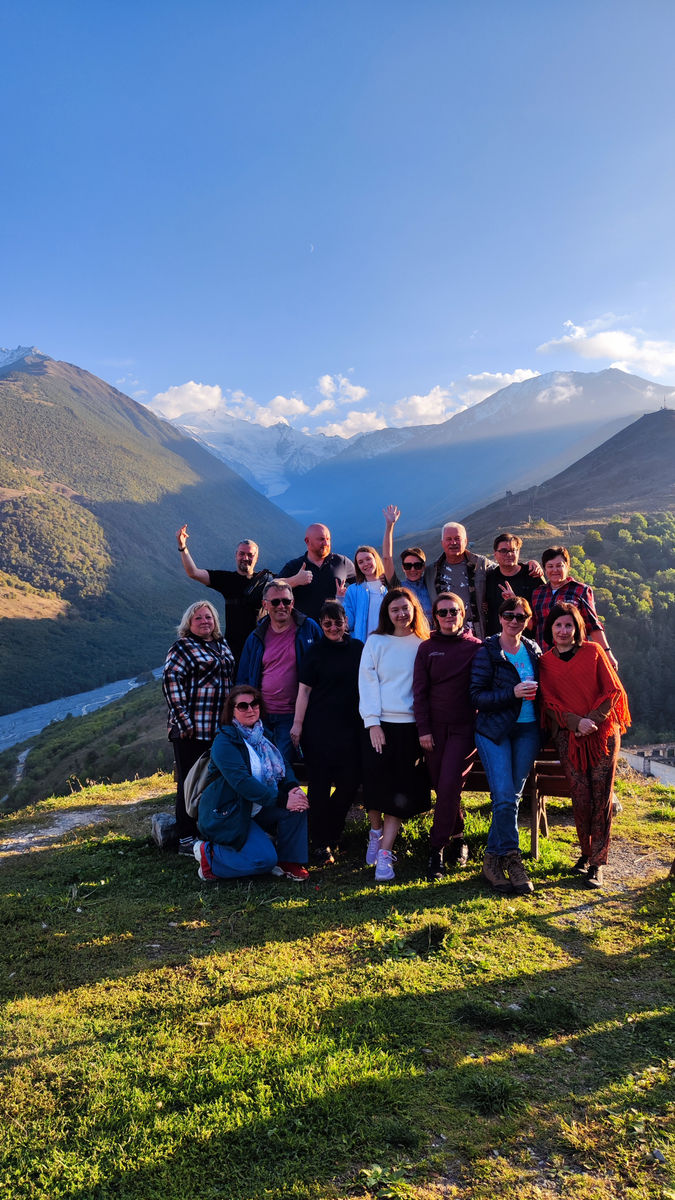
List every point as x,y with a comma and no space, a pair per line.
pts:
7,357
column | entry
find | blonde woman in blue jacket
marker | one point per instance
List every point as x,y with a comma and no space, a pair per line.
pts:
363,599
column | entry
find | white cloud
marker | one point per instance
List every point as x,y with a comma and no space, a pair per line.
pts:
340,389
354,422
628,351
323,406
201,399
442,403
560,392
287,406
436,406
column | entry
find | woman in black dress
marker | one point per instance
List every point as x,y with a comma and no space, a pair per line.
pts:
328,728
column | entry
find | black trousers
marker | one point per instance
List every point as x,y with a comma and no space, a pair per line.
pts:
186,751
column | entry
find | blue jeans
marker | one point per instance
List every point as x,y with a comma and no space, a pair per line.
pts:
258,854
278,725
507,765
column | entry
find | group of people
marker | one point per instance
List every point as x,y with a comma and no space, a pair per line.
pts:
388,680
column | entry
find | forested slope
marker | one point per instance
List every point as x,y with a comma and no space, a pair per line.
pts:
92,489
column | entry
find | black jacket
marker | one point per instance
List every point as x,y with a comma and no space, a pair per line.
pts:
493,679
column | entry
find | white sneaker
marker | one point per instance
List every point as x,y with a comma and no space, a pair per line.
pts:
384,867
374,839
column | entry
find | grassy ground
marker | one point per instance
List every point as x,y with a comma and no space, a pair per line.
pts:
167,1039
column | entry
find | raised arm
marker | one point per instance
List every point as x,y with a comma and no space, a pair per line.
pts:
192,571
391,515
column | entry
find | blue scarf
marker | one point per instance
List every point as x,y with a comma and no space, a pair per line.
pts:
273,765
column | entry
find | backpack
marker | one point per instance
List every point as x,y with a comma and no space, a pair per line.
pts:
195,781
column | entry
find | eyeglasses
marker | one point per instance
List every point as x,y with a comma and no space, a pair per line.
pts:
448,612
506,549
285,600
332,621
245,705
521,617
413,566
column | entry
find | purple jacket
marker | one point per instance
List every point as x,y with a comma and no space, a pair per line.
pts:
441,681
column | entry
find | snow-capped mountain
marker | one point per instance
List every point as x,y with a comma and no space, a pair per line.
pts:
517,437
7,357
268,457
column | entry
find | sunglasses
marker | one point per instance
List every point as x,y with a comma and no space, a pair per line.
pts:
448,612
413,566
332,621
246,705
521,618
285,600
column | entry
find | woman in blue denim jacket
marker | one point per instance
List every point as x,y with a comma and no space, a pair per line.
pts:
504,683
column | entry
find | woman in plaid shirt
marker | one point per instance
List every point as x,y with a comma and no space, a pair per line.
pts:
198,675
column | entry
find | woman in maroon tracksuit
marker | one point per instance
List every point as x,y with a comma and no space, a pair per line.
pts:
445,715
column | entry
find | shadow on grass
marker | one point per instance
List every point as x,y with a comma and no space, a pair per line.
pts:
388,1073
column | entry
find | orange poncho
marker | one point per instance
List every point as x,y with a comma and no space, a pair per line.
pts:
579,686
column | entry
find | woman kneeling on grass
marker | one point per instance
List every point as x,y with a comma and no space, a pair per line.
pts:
586,708
252,795
396,780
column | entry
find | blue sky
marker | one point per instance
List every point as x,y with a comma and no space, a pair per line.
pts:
344,214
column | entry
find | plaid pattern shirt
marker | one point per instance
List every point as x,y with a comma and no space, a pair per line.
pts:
571,592
197,678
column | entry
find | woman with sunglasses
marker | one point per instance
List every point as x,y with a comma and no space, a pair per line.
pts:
251,797
444,714
328,727
504,683
586,709
395,776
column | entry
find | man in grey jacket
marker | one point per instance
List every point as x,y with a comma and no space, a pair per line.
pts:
461,571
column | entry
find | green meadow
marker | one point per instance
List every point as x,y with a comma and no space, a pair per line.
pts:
163,1038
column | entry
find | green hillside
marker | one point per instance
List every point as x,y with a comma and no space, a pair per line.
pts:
92,489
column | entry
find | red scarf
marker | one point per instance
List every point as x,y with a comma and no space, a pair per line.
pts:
581,685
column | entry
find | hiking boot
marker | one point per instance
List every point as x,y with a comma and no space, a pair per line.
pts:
205,873
493,872
520,881
596,876
294,871
457,853
581,865
435,866
374,839
384,867
186,846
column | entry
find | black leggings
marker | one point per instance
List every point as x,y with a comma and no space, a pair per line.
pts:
186,751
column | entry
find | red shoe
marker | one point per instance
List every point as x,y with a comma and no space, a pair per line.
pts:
294,871
205,871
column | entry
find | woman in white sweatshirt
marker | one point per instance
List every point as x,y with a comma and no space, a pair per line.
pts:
396,783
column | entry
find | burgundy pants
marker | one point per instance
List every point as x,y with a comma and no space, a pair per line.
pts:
449,763
591,792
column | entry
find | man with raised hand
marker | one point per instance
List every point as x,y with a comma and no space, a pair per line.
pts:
271,657
330,573
241,589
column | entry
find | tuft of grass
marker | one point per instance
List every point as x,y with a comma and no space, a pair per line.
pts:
491,1092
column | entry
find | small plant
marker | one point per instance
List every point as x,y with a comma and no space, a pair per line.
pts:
491,1092
386,1183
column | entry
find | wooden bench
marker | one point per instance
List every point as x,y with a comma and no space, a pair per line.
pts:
546,778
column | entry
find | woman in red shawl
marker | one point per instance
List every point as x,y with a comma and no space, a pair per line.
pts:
586,707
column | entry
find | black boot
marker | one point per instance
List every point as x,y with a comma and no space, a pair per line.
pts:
435,867
457,853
